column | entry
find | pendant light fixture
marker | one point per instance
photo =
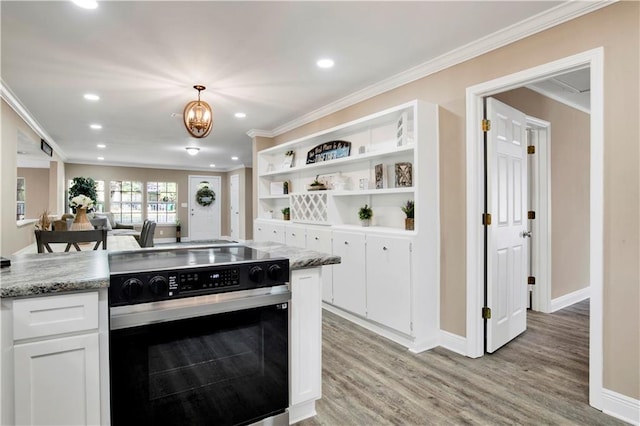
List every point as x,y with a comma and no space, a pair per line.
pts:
198,116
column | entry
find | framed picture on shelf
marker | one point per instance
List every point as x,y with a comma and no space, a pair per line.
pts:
404,175
379,169
289,156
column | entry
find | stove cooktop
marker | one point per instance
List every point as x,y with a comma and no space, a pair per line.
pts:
171,259
163,274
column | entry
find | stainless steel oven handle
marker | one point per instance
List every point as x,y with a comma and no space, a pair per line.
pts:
189,307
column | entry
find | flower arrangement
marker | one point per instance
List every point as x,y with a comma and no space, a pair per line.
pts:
408,209
81,202
289,153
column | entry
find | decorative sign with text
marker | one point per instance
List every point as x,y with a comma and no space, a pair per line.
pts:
329,151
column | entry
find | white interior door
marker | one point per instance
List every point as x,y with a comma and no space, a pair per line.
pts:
507,248
204,220
234,200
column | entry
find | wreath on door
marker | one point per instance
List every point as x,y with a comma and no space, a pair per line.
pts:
205,196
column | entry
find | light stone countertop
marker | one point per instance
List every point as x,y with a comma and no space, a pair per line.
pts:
37,274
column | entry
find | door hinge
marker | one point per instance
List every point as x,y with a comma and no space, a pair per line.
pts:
486,313
531,214
486,219
531,280
410,247
411,326
531,149
486,125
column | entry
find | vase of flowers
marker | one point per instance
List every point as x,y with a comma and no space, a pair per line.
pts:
81,222
365,214
408,210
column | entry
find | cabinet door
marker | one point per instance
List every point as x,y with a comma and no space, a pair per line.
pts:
349,276
320,240
389,282
57,381
266,231
295,235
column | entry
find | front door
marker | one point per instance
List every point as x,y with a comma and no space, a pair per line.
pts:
204,208
507,248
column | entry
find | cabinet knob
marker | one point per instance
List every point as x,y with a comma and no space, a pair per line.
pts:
274,231
346,243
293,235
384,248
317,238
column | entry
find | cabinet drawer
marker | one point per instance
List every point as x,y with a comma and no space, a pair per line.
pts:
52,315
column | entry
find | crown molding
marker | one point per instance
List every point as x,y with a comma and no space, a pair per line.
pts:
27,117
260,133
535,24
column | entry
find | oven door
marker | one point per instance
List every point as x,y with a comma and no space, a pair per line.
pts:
200,361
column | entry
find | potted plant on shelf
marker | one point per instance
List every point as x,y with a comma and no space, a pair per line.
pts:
365,214
286,213
316,185
408,209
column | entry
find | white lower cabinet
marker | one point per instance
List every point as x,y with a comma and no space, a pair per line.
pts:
269,231
56,359
319,239
57,381
349,283
295,235
389,282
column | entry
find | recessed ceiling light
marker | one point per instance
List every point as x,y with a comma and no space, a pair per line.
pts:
192,150
325,63
234,158
95,126
91,97
212,165
100,158
101,145
86,4
240,115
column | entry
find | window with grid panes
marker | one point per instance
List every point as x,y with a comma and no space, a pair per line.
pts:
126,201
161,201
99,205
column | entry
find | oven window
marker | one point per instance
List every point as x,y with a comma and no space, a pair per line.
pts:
221,369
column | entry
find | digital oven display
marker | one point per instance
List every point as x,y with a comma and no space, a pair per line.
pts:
204,280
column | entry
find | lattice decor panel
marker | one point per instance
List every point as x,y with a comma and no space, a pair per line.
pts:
309,207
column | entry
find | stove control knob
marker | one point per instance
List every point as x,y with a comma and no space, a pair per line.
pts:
131,288
274,272
256,274
158,285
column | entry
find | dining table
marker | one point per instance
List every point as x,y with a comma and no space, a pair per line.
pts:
114,243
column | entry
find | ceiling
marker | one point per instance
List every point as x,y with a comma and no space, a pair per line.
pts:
142,58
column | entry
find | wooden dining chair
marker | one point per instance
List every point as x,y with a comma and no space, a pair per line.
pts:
70,238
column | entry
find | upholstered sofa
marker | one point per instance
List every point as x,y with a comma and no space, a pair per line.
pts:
112,226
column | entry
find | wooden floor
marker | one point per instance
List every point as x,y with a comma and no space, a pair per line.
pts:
540,378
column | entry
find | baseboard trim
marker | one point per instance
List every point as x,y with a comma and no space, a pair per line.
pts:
411,343
621,406
569,299
453,342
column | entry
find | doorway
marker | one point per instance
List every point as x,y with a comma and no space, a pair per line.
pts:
234,200
475,203
204,208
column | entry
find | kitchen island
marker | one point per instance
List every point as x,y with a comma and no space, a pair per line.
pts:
55,312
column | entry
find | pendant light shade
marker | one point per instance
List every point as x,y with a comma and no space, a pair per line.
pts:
198,116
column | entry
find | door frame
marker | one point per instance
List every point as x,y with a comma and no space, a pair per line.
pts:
594,59
236,178
541,227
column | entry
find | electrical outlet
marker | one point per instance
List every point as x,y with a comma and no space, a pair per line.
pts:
161,232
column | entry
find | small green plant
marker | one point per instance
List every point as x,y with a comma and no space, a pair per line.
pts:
408,209
316,182
365,213
286,211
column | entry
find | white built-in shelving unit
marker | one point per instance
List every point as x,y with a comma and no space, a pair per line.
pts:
388,280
